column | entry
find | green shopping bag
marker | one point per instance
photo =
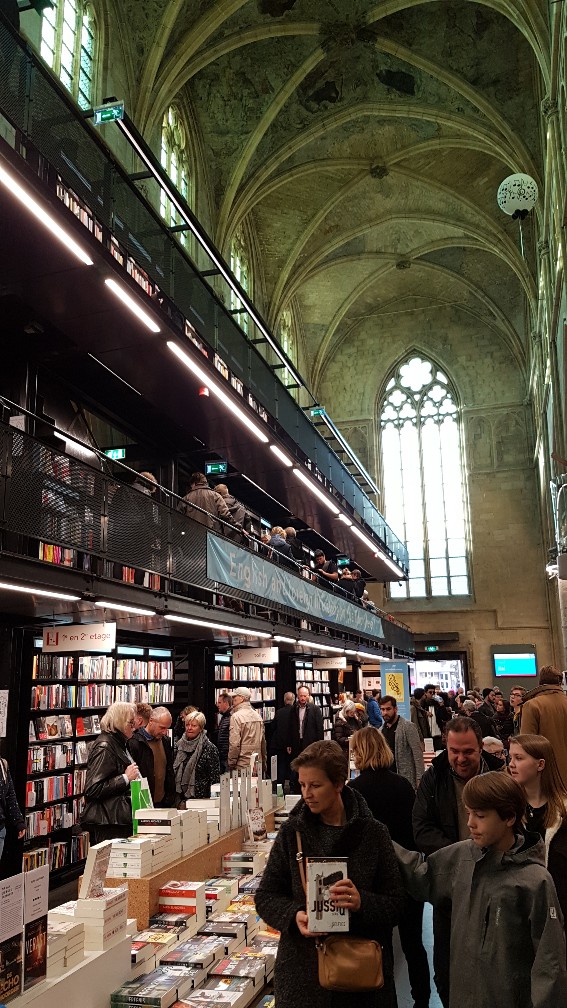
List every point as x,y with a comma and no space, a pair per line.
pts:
141,798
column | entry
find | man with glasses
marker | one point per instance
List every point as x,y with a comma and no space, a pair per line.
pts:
151,748
517,694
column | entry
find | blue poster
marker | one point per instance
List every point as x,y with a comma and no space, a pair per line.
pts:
228,564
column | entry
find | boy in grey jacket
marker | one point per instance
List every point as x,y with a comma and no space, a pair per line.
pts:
506,925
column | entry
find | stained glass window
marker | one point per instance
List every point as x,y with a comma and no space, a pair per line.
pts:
175,162
423,476
68,46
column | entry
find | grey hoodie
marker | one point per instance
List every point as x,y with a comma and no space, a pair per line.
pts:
507,938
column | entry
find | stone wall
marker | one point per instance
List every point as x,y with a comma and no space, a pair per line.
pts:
509,602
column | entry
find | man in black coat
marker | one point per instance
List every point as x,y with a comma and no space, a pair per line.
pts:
305,727
151,749
440,819
280,738
224,706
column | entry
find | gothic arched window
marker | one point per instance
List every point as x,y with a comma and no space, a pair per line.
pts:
174,161
68,46
240,267
288,344
424,480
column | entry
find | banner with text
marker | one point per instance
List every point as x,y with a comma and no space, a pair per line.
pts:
237,568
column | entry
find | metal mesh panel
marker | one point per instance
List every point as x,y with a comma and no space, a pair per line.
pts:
138,529
50,496
12,77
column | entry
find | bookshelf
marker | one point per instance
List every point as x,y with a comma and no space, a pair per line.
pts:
69,695
259,679
318,682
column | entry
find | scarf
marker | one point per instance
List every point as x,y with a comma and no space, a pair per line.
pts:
185,763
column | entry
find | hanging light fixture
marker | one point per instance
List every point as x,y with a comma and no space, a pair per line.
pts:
517,195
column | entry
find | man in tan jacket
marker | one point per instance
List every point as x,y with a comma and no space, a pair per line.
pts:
544,712
246,732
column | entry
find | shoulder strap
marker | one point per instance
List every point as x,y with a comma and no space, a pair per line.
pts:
4,765
301,860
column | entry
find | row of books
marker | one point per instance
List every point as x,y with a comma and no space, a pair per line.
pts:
79,209
44,821
258,694
64,556
95,695
151,692
133,668
315,676
50,727
58,853
245,673
89,667
53,697
42,759
46,789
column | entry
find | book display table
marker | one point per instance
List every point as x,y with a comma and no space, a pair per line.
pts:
143,893
87,985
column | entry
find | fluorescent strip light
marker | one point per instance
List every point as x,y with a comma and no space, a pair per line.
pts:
217,626
286,640
216,390
364,538
391,563
321,647
125,608
41,215
132,304
39,591
315,490
283,458
83,449
347,521
171,195
348,651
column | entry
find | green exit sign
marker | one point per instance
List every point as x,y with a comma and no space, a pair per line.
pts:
108,113
431,647
318,411
116,453
216,468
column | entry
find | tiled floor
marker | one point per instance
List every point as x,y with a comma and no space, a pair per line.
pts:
405,999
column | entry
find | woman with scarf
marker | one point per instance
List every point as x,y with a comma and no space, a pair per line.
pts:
196,764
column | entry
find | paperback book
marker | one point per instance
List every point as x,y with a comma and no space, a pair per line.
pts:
323,915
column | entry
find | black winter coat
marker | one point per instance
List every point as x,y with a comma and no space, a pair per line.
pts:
373,868
343,728
279,740
435,814
312,728
141,752
390,798
222,740
107,795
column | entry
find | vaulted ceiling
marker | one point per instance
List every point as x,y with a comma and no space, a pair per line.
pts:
360,146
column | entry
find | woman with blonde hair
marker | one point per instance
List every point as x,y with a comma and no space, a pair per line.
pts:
110,768
533,765
390,798
347,721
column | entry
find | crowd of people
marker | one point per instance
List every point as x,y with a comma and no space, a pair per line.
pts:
220,511
481,834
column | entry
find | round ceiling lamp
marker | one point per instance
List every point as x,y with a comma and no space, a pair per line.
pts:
517,195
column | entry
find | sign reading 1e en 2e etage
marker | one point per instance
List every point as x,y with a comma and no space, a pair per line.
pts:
80,637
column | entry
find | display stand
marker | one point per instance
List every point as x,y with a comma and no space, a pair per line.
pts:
143,893
87,984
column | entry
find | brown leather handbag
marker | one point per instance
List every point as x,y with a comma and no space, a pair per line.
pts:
345,963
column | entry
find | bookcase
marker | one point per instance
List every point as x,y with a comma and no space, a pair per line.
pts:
259,679
318,681
69,694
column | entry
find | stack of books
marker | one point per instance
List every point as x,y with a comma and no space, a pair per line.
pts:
233,936
194,833
211,806
132,858
105,918
201,951
245,916
65,945
242,863
184,897
254,965
164,823
160,988
221,992
217,898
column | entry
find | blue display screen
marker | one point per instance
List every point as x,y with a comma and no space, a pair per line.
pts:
518,664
